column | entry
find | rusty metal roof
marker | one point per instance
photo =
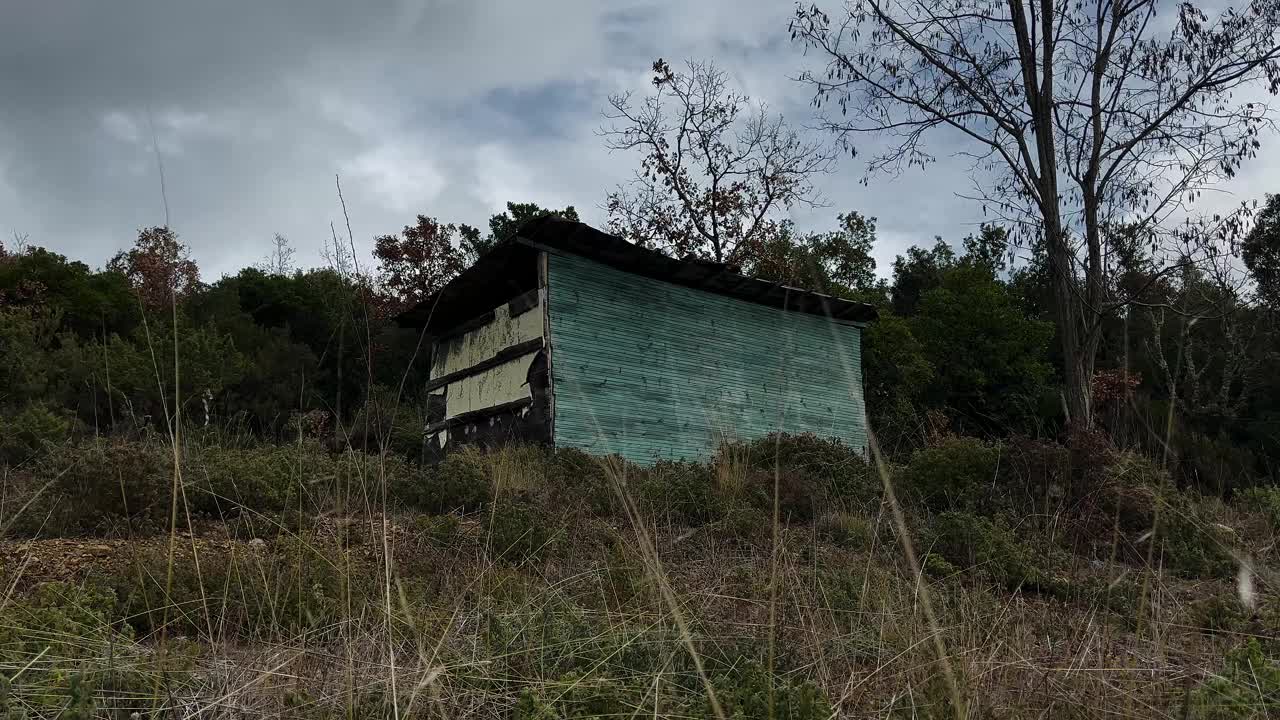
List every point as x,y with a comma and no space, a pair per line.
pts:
510,268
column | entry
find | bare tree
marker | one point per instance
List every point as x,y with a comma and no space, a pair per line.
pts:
1078,115
280,260
716,168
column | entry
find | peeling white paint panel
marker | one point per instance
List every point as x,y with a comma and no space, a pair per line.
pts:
502,384
482,343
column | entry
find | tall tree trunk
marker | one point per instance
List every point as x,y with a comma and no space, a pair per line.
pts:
1038,78
1077,357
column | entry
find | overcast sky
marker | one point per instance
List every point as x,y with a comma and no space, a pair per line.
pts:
443,107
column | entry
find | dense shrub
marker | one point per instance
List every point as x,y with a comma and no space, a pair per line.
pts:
814,474
681,491
98,486
965,540
519,531
26,433
956,474
460,482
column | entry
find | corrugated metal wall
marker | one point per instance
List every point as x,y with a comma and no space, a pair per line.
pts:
651,370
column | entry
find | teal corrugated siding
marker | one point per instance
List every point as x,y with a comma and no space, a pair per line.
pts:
651,370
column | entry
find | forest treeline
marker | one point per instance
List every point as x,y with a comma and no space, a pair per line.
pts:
964,344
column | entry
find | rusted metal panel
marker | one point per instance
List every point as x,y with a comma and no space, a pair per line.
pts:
654,370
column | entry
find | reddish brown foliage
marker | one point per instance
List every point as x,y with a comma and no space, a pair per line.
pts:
158,267
417,262
1112,385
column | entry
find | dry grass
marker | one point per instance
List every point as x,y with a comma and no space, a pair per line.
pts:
641,618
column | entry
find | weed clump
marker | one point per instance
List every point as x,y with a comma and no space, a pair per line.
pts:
55,646
1247,687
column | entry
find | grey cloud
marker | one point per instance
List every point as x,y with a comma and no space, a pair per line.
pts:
447,107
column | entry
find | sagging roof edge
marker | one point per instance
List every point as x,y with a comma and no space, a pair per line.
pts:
555,235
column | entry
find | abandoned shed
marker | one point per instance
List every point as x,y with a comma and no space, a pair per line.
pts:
567,335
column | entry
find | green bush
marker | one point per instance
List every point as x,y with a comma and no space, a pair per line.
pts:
100,485
956,474
814,474
460,482
681,491
847,530
518,531
87,666
1248,687
965,540
28,432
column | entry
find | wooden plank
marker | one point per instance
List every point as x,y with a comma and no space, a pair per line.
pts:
472,324
544,295
474,415
498,358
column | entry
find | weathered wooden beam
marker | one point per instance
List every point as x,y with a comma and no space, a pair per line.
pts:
498,358
482,413
523,303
